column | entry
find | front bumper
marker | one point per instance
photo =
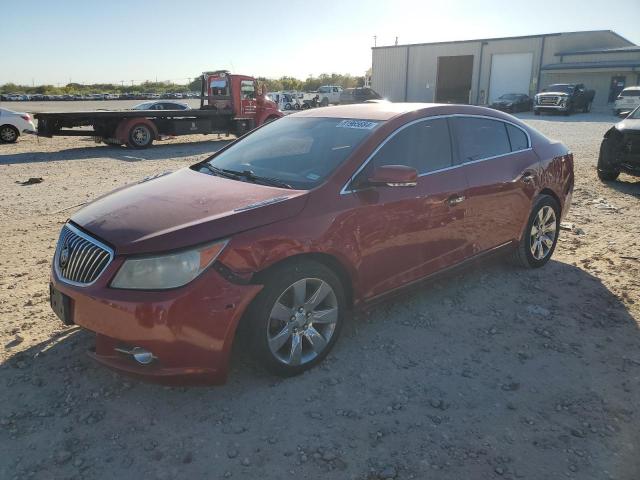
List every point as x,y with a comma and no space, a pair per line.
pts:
189,330
551,108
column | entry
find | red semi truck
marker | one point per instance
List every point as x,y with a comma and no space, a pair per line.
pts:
229,103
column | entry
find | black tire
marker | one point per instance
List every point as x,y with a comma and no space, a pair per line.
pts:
536,112
9,134
140,136
607,172
523,255
324,102
287,106
587,107
258,320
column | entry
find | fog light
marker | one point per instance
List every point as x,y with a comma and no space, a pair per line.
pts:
142,356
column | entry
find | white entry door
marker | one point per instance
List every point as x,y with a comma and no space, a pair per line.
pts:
510,73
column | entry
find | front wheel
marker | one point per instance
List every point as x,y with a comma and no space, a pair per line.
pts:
296,319
540,235
8,134
606,169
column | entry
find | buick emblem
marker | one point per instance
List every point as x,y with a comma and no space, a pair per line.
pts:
64,257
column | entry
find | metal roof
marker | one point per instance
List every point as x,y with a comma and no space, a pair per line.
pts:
504,38
631,48
579,65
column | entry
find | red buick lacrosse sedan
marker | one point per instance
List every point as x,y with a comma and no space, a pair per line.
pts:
287,229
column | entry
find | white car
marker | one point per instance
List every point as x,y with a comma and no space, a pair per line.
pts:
627,100
12,124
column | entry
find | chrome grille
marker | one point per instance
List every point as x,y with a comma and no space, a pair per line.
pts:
79,258
548,100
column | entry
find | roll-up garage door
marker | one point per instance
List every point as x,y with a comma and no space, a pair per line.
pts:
510,73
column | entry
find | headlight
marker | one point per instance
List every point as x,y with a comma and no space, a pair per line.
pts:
166,271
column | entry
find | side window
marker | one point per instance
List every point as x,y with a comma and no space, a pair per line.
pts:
517,138
479,138
335,89
248,89
425,146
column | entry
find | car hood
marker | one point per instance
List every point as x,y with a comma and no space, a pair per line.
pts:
182,209
628,124
561,94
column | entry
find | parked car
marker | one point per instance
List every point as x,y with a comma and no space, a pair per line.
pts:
162,105
329,95
295,224
358,95
627,100
13,124
620,148
513,102
565,98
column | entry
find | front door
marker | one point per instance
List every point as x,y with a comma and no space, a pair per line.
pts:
501,171
248,102
406,233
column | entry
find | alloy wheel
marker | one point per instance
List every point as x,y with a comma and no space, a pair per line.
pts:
8,134
543,233
302,321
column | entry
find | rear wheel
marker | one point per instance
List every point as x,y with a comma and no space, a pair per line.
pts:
140,136
296,319
536,112
540,235
8,134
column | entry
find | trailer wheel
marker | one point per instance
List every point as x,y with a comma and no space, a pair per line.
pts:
140,136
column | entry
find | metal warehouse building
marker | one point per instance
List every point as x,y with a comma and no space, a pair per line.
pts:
479,71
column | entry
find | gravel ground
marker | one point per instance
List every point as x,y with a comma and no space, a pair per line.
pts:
494,373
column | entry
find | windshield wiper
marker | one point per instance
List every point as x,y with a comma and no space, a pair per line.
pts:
249,175
220,172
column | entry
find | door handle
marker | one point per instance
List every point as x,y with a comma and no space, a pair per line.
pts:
455,200
527,177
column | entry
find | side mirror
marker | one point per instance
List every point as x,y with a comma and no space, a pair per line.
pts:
394,176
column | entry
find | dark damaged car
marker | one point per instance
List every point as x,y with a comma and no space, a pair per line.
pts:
620,148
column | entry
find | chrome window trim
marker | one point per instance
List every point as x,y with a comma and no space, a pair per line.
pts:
345,190
89,239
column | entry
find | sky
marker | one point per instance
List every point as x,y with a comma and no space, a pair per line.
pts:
118,41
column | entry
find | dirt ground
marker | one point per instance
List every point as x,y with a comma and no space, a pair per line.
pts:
494,373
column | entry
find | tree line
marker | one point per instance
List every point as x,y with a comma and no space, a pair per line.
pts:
273,84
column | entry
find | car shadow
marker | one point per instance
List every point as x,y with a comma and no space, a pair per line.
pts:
537,363
626,184
159,151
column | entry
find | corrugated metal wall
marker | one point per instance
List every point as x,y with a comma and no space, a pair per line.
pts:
409,72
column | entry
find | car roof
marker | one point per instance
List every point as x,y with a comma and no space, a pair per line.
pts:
387,110
636,87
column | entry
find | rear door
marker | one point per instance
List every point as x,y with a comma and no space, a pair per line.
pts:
502,171
406,233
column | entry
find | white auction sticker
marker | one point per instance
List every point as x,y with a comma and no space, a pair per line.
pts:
360,124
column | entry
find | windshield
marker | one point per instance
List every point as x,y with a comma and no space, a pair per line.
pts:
560,88
301,152
630,93
508,96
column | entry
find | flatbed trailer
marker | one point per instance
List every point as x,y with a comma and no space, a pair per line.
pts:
231,104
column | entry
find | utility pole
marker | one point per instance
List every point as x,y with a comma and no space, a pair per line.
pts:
396,41
375,40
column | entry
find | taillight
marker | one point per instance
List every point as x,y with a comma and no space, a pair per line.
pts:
26,117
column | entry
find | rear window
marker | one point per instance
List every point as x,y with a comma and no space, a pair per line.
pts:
517,138
480,138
